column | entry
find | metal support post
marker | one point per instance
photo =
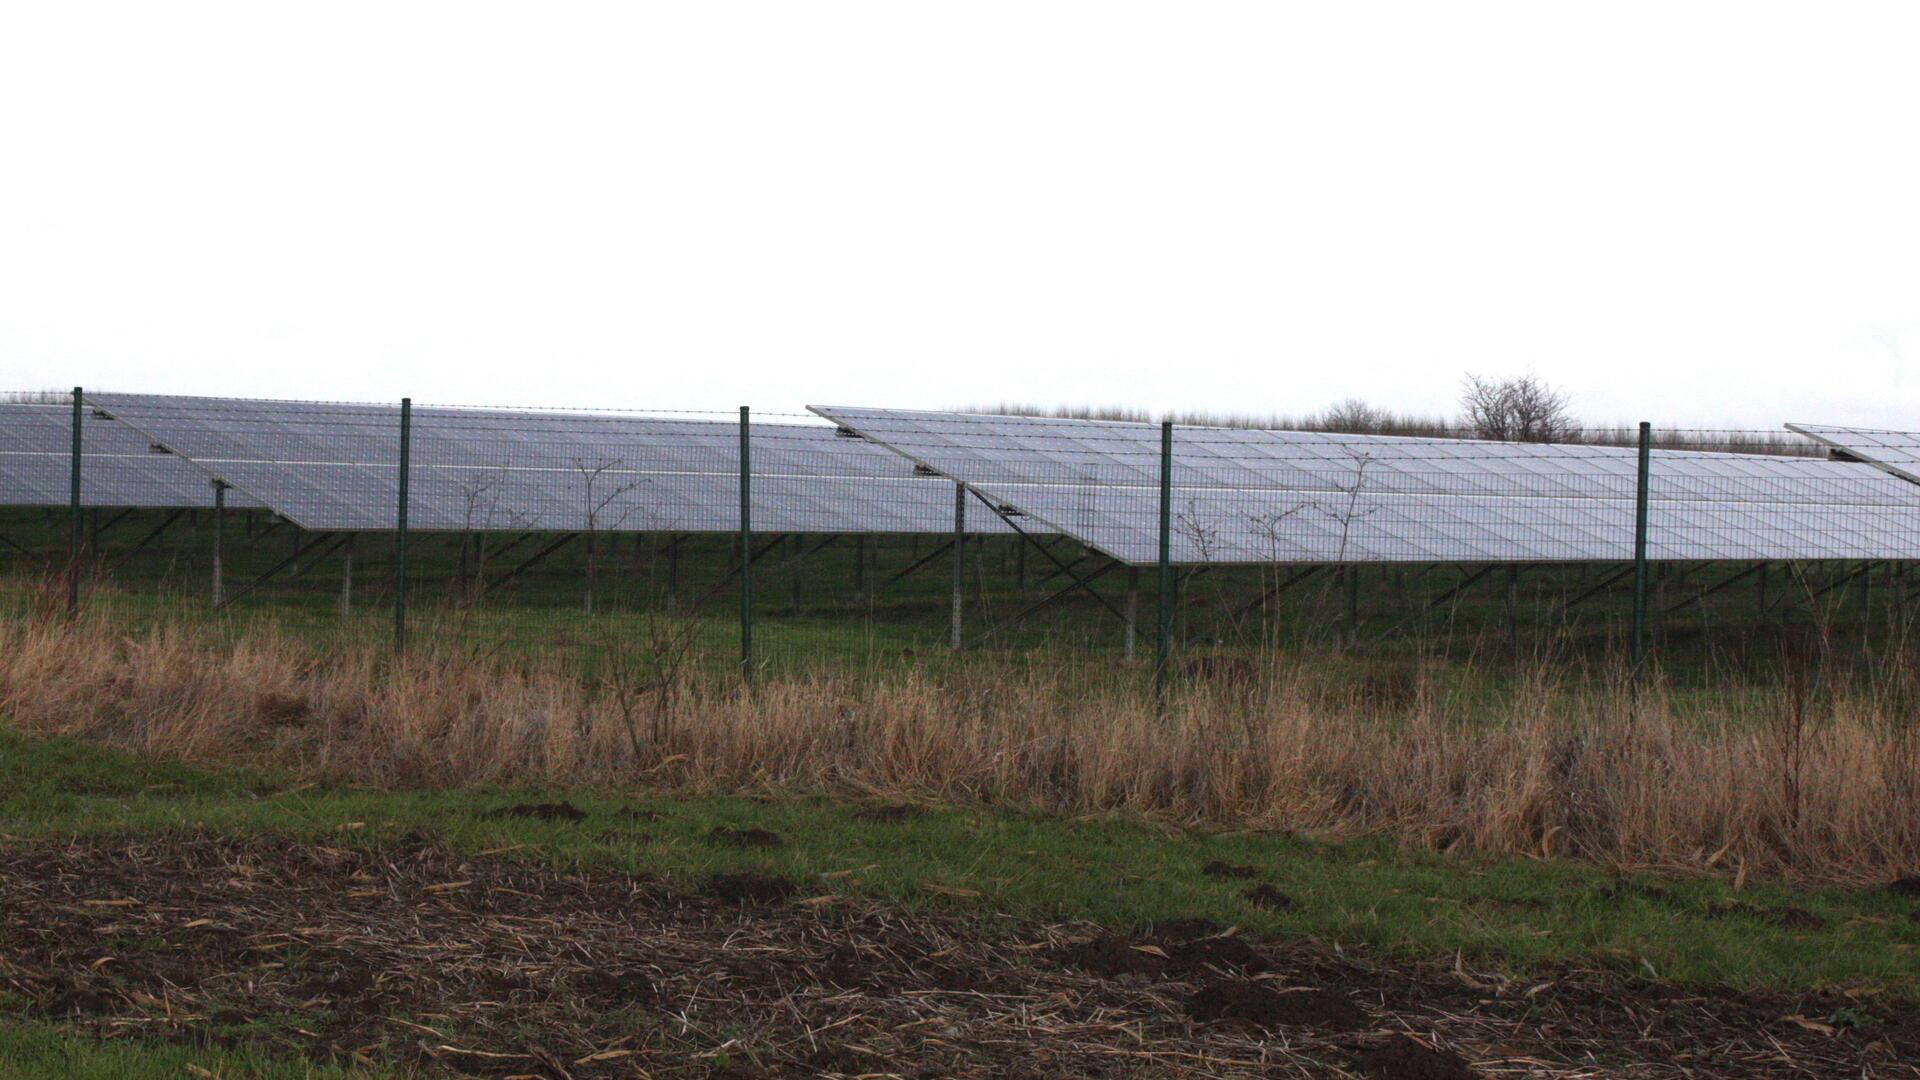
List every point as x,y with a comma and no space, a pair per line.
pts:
959,558
76,524
746,547
400,528
1640,551
1164,643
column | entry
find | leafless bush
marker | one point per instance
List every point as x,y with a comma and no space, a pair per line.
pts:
1522,409
1354,417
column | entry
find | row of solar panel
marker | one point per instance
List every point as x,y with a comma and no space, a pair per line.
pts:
1240,495
1249,496
336,468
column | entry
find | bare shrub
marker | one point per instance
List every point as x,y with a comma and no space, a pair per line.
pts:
1354,417
1522,409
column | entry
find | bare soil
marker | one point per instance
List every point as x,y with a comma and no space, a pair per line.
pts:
412,957
554,811
728,836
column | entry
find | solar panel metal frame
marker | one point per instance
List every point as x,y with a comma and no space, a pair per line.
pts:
806,478
1891,451
1525,502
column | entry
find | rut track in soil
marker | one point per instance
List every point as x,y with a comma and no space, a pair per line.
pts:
414,958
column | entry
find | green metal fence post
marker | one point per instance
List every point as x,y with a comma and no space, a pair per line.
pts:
77,525
746,548
219,542
1164,645
400,528
959,558
1640,551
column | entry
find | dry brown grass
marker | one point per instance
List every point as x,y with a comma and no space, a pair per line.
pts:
1826,791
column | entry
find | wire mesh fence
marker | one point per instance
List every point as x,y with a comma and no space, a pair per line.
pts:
737,544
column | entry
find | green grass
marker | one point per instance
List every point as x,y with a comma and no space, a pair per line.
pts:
39,1052
1531,919
814,610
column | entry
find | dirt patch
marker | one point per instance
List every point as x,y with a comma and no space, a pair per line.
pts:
1182,948
1905,886
423,961
1265,1006
1627,889
1404,1058
1184,929
1786,918
1235,871
546,811
1112,957
1266,896
728,836
888,813
1217,955
749,889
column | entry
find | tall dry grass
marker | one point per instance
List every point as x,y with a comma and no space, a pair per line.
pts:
1820,785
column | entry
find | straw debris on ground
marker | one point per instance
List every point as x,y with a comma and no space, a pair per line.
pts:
409,957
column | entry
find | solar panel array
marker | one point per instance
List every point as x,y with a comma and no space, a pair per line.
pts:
1241,495
1897,452
119,466
336,467
1252,496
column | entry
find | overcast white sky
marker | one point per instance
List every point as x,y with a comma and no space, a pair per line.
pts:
1702,213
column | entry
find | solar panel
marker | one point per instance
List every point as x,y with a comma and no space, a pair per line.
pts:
335,467
1897,452
119,468
1250,496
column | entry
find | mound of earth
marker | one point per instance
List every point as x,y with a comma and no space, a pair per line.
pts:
728,836
551,811
1403,1058
1263,1005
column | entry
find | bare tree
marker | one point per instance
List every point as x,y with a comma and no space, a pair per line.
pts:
481,492
647,663
598,496
1270,528
1204,537
1348,510
1354,417
1210,540
1522,409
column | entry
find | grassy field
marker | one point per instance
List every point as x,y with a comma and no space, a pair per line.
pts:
1849,956
1427,794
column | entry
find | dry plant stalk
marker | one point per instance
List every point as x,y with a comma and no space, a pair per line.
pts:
1558,770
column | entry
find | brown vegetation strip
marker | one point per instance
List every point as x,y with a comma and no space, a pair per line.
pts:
1816,789
416,958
